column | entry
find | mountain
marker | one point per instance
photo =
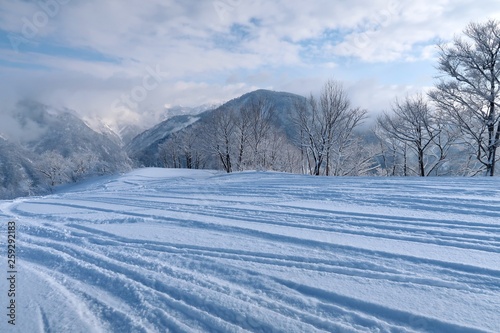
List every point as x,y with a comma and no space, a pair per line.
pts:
143,149
283,105
46,146
123,131
128,132
64,132
179,110
100,126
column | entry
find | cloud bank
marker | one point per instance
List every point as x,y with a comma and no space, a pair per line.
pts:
124,60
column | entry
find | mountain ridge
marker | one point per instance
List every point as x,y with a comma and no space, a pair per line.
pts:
143,149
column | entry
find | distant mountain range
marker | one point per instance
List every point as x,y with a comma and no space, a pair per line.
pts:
40,129
128,131
143,149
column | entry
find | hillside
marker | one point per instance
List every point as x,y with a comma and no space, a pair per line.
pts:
38,131
64,132
143,149
18,172
159,250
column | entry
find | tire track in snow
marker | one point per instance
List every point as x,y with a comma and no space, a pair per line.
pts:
123,283
444,265
87,319
400,278
488,243
406,319
343,266
348,221
172,276
313,321
83,272
44,322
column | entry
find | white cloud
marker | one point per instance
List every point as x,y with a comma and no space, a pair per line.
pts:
91,52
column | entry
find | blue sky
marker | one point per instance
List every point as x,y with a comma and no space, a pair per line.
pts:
91,55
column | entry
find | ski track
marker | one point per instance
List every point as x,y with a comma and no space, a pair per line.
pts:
193,251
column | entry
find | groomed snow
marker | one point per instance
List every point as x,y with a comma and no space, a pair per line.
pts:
159,250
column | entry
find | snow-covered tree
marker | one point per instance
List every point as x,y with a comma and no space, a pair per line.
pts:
259,114
220,134
391,154
242,134
168,153
469,89
181,150
82,165
54,167
326,125
413,123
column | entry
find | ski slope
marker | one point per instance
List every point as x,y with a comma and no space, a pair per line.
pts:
159,250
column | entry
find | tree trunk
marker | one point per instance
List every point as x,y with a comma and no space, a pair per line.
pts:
421,166
493,138
327,171
495,146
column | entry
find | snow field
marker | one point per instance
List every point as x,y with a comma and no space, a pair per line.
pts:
159,250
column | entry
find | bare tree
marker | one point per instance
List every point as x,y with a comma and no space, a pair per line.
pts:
413,123
389,152
259,114
242,133
327,125
170,151
220,132
443,154
471,94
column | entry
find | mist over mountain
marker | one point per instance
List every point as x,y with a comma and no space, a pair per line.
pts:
42,147
128,132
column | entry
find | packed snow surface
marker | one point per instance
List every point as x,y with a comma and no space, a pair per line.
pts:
159,250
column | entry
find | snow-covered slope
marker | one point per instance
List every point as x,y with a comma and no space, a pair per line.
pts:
144,147
179,110
161,250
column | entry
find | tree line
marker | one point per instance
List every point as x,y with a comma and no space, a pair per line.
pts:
454,129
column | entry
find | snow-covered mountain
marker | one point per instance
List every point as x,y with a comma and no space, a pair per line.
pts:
64,132
282,103
128,132
143,149
38,129
179,110
123,131
100,126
